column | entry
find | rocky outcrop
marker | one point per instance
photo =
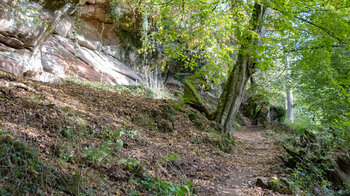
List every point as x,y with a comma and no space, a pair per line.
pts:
51,43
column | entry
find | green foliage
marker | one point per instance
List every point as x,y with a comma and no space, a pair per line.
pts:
311,168
302,123
324,87
172,157
107,133
195,34
159,187
132,165
106,152
102,153
21,170
177,106
65,153
34,99
131,133
115,10
140,90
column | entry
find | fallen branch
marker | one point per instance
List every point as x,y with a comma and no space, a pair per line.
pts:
19,85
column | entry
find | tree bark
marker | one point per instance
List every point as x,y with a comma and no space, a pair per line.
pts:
289,91
231,98
290,109
66,10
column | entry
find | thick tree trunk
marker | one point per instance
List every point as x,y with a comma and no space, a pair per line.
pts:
231,98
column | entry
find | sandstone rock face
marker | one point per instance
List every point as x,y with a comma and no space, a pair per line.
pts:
86,44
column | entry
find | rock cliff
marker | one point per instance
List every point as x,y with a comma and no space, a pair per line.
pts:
50,40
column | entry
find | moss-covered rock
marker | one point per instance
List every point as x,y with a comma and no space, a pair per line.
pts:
279,185
165,126
168,113
146,121
220,141
196,120
177,106
157,121
256,108
196,138
192,98
274,184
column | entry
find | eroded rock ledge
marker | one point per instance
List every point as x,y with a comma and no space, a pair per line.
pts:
87,44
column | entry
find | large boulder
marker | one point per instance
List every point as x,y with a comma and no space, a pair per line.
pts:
257,108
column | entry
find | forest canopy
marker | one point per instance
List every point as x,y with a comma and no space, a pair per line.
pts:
307,41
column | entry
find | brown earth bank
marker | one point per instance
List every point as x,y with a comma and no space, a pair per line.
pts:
107,142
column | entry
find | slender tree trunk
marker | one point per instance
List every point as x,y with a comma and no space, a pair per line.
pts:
290,109
231,98
66,10
289,98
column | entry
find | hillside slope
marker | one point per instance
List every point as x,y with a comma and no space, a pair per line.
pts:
74,139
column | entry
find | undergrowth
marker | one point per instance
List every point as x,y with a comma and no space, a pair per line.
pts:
308,161
162,187
139,90
21,170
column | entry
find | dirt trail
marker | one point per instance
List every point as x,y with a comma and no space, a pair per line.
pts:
255,156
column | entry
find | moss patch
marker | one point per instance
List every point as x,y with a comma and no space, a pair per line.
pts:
196,120
220,141
157,120
279,185
192,98
146,121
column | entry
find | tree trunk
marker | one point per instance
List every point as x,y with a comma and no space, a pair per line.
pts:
231,98
290,109
66,10
289,89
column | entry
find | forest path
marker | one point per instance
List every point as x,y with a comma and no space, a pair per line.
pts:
255,156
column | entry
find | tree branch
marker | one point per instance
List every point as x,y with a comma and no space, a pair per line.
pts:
321,10
313,24
312,48
322,28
